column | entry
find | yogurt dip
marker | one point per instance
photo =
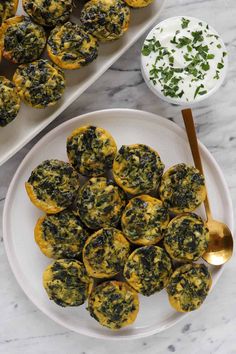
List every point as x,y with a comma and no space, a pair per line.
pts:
183,60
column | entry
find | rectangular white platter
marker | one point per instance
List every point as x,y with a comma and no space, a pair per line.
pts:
30,121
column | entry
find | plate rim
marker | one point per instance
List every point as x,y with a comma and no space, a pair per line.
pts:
78,93
7,240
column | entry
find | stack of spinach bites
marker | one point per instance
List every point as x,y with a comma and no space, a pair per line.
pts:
128,229
43,42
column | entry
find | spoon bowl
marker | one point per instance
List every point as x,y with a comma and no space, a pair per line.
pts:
220,248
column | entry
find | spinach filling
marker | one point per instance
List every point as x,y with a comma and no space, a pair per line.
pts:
106,20
48,12
100,203
9,102
7,9
181,186
144,219
91,151
112,305
138,167
189,286
56,181
72,44
24,41
69,283
106,251
41,83
186,237
65,234
148,269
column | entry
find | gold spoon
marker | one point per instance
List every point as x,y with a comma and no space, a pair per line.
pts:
220,248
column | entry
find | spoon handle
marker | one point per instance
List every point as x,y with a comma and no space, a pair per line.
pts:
192,138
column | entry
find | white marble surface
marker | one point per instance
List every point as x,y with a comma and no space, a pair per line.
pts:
23,328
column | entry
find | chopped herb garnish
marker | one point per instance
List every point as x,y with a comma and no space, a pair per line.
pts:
184,22
205,66
183,41
197,36
152,46
217,76
220,66
210,56
198,91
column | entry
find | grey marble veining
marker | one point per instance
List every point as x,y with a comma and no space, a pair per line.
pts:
23,328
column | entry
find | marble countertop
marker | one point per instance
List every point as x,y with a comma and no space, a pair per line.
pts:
23,328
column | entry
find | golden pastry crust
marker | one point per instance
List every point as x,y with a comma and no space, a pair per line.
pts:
52,186
182,188
186,237
24,40
138,3
148,269
40,84
7,9
9,101
188,287
114,304
67,283
105,253
106,19
144,220
61,235
137,169
48,12
70,46
100,203
91,150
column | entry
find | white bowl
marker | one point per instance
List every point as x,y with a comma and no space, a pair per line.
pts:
157,91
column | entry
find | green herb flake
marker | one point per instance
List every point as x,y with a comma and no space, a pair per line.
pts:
184,22
198,91
210,56
205,66
220,66
217,76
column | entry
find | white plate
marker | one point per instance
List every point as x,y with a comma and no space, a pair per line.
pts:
31,121
19,217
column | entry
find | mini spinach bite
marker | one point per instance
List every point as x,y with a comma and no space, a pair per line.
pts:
182,188
106,19
7,9
137,168
91,150
148,269
105,253
24,40
144,220
188,287
48,12
186,237
52,186
40,84
114,304
61,235
100,203
9,101
70,46
67,283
